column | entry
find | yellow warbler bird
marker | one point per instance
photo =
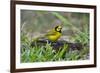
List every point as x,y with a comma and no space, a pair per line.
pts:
54,34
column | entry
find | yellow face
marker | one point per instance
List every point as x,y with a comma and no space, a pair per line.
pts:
58,28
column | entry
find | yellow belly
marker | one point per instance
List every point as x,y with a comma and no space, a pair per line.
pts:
54,38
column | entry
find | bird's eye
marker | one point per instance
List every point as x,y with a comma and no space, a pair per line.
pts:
58,29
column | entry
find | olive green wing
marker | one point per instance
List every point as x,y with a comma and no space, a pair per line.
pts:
52,32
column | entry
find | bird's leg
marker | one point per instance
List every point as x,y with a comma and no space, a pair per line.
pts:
48,42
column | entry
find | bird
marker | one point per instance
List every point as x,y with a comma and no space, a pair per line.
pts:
54,34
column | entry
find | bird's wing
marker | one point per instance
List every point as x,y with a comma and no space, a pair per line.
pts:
52,32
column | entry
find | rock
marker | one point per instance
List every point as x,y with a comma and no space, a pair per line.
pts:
58,44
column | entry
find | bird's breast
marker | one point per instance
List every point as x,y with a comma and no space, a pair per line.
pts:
54,37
